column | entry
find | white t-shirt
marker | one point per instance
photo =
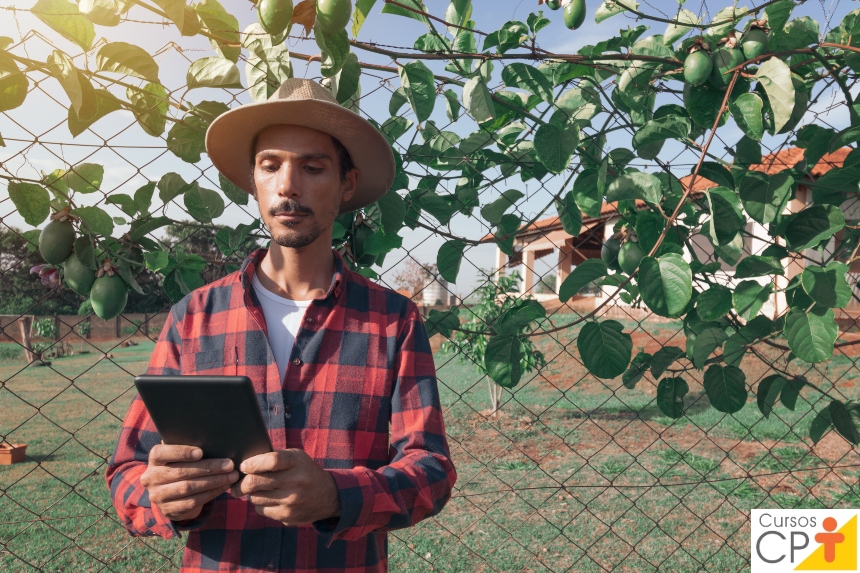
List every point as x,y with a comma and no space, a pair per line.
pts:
283,320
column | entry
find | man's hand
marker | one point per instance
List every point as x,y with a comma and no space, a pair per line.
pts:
180,483
289,487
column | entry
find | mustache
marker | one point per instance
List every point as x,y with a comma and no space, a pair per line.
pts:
289,206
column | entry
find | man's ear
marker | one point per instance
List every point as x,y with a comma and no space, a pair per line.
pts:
350,184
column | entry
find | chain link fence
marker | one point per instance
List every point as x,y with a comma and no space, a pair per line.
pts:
564,472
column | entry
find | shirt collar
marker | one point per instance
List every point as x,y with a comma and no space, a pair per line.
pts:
249,267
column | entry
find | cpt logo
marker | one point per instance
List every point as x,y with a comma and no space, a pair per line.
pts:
803,540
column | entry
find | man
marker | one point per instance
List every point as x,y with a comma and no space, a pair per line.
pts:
337,362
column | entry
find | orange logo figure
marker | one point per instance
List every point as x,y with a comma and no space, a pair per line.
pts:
829,540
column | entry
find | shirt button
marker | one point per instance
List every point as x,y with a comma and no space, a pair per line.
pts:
270,566
297,361
309,320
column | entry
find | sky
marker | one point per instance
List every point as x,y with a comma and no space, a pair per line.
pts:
131,157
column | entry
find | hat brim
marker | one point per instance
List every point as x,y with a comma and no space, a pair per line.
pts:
229,139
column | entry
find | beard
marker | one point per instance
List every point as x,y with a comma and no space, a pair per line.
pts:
294,240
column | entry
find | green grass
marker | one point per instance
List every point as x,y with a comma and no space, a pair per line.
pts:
574,473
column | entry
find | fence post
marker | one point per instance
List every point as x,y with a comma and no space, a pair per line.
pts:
57,327
117,326
146,317
24,324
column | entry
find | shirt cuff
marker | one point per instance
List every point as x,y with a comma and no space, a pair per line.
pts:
351,524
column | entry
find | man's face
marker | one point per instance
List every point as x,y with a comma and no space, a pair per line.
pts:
298,184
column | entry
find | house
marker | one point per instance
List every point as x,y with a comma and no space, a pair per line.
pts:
546,237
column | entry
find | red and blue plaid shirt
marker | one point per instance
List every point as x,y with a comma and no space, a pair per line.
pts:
359,396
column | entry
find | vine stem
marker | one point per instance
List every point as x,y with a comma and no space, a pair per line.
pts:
669,223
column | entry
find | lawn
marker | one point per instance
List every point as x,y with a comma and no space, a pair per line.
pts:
574,474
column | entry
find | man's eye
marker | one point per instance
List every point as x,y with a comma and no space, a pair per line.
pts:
312,169
270,168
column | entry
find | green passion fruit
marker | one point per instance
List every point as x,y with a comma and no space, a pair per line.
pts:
754,43
724,60
78,276
629,256
333,15
553,4
609,253
698,67
56,242
109,296
574,14
275,15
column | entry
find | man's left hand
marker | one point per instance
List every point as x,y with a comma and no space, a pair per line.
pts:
288,486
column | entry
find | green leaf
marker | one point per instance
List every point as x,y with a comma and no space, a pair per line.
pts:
714,303
675,31
658,131
583,274
128,60
232,192
393,209
348,79
816,141
778,13
151,105
175,10
775,76
494,211
748,152
76,85
713,171
765,196
414,4
143,197
512,34
31,201
105,103
223,28
125,202
725,20
503,358
604,348
266,70
706,342
666,284
528,78
827,286
334,47
514,320
213,72
813,225
588,190
452,104
758,266
726,388
85,177
638,368
555,145
726,219
811,335
768,392
141,228
704,103
13,84
749,297
846,420
362,10
632,186
569,215
670,396
478,101
746,110
442,322
798,33
381,242
449,258
187,139
820,425
65,19
420,87
609,8
664,358
506,233
791,392
85,252
170,186
203,204
96,220
537,22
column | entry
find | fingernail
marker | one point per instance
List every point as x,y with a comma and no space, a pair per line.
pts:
233,476
226,465
196,453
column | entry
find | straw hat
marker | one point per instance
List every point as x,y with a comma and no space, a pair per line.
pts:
306,103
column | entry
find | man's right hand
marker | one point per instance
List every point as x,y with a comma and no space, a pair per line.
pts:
180,483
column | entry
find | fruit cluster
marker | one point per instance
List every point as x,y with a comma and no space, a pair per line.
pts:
701,65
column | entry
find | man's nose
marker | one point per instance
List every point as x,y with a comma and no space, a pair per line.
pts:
288,182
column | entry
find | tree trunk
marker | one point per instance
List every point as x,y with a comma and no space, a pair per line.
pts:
495,396
24,324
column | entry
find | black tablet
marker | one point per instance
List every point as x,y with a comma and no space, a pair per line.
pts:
218,414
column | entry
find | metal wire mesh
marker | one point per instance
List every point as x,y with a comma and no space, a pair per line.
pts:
573,473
